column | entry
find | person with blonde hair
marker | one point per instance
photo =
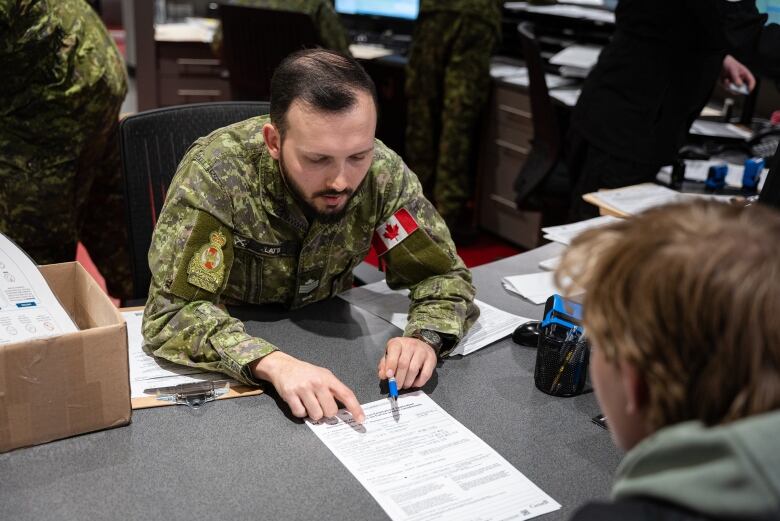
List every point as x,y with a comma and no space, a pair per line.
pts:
681,307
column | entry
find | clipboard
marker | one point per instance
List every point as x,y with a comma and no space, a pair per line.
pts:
146,402
150,401
604,208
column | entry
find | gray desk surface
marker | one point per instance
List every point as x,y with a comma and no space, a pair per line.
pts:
246,459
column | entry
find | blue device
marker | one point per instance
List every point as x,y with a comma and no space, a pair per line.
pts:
716,177
562,312
753,168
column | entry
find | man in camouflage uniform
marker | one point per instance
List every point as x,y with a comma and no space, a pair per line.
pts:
280,209
326,20
63,84
447,82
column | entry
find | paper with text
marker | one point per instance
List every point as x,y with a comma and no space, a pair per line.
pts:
419,463
28,307
378,299
149,372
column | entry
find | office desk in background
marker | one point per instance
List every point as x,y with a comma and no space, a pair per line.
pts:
245,459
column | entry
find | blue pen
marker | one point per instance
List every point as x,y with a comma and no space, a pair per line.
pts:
393,388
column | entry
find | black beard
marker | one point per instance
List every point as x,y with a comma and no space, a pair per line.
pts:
309,209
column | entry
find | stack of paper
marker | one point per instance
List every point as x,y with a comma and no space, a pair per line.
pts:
378,299
564,234
635,199
536,287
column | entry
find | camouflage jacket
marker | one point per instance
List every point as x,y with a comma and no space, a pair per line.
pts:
231,232
489,11
326,20
58,62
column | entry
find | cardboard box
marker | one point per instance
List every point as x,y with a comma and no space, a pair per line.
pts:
55,387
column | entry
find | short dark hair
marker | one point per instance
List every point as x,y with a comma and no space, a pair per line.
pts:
323,79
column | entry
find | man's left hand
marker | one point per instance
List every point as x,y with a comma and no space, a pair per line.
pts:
411,360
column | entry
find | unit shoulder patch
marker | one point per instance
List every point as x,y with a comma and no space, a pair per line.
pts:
206,261
206,269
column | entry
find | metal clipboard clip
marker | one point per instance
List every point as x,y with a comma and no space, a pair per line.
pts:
193,394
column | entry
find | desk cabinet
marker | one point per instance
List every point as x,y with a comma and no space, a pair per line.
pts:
506,144
188,72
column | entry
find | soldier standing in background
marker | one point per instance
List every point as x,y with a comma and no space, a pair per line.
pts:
60,179
280,210
447,83
326,20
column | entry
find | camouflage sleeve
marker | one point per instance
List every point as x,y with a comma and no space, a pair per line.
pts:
332,32
182,320
441,293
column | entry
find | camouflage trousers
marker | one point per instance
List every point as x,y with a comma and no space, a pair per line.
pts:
447,83
61,183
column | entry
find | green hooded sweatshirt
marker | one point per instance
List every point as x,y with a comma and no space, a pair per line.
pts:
730,470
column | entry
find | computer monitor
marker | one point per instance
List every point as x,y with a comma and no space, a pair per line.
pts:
770,7
406,9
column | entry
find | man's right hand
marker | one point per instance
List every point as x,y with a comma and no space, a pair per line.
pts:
309,390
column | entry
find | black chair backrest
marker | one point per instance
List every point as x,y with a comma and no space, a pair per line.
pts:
255,41
547,141
152,144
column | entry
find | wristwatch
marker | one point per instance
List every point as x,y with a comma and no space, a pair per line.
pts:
440,343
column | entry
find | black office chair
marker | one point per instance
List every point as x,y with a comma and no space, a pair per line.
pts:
255,41
542,183
152,144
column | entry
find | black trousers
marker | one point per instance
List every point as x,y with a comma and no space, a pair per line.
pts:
591,169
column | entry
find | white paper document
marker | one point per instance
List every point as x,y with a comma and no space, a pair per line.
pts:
378,299
421,464
28,307
364,51
149,372
568,95
192,30
536,287
566,233
550,264
635,199
519,76
571,11
702,127
578,56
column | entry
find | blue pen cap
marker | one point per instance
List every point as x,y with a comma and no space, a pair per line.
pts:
752,174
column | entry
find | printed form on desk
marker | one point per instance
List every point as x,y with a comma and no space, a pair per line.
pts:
420,463
378,299
28,307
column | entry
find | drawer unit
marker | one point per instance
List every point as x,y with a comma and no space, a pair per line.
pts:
188,72
505,147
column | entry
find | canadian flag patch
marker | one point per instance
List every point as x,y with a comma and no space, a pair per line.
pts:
392,232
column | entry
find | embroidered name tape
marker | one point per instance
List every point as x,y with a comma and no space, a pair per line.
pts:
392,232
